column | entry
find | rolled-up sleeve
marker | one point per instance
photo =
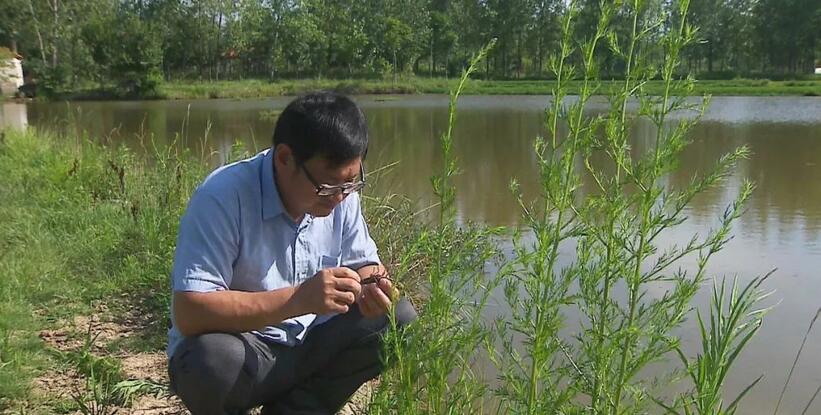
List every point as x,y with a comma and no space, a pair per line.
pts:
358,249
207,245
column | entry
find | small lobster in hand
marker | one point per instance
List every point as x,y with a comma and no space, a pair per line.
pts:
375,278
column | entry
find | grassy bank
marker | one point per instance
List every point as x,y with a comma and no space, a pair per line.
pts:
87,235
260,89
83,229
254,88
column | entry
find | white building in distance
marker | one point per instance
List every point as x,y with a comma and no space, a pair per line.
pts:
11,72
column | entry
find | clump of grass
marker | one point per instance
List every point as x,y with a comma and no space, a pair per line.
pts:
95,398
100,374
734,320
105,370
414,85
431,361
82,224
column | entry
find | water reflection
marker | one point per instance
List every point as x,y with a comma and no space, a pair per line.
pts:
13,115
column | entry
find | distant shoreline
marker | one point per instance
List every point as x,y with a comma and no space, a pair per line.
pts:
262,89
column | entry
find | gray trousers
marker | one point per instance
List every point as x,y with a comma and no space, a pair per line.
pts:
226,373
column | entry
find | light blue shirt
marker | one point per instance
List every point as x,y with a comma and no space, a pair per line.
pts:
236,235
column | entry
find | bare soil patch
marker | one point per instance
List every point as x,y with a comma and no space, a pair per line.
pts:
65,382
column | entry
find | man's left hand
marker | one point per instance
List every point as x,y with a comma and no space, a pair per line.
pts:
374,299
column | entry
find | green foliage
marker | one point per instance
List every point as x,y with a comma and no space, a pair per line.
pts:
64,43
733,322
606,203
100,374
131,54
101,369
82,224
431,359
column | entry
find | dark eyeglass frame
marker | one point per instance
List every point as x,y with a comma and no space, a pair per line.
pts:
323,189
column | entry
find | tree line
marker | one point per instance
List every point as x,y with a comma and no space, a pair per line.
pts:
134,44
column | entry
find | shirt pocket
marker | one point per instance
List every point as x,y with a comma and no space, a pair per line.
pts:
328,261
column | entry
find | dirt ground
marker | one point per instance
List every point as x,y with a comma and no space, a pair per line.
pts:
63,383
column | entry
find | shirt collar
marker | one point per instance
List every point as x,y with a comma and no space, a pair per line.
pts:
271,201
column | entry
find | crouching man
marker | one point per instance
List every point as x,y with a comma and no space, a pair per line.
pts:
269,306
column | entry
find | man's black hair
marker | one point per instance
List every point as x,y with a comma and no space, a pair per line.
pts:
325,124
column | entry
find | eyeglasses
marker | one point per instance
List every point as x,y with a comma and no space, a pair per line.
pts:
333,190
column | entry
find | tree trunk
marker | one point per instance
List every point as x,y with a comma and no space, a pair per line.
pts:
504,62
329,51
37,29
217,54
709,57
519,61
54,31
432,58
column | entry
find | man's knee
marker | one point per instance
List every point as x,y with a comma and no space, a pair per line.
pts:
207,372
404,312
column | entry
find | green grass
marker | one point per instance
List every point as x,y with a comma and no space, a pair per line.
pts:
255,88
416,85
81,225
84,225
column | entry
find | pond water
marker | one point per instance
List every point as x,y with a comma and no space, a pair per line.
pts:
493,143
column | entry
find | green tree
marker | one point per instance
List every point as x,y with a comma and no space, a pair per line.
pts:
135,57
787,34
722,27
305,40
126,50
12,22
544,33
471,22
254,38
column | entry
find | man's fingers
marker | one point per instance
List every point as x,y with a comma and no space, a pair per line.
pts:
344,297
379,299
365,306
389,289
345,272
349,285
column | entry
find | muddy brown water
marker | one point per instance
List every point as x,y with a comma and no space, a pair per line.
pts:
494,136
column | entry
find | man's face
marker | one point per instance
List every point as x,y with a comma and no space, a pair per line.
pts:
305,180
318,172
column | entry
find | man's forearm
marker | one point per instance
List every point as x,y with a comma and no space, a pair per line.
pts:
232,311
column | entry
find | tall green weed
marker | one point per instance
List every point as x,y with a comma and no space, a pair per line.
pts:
590,246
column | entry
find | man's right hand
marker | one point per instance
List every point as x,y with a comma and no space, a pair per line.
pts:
331,290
